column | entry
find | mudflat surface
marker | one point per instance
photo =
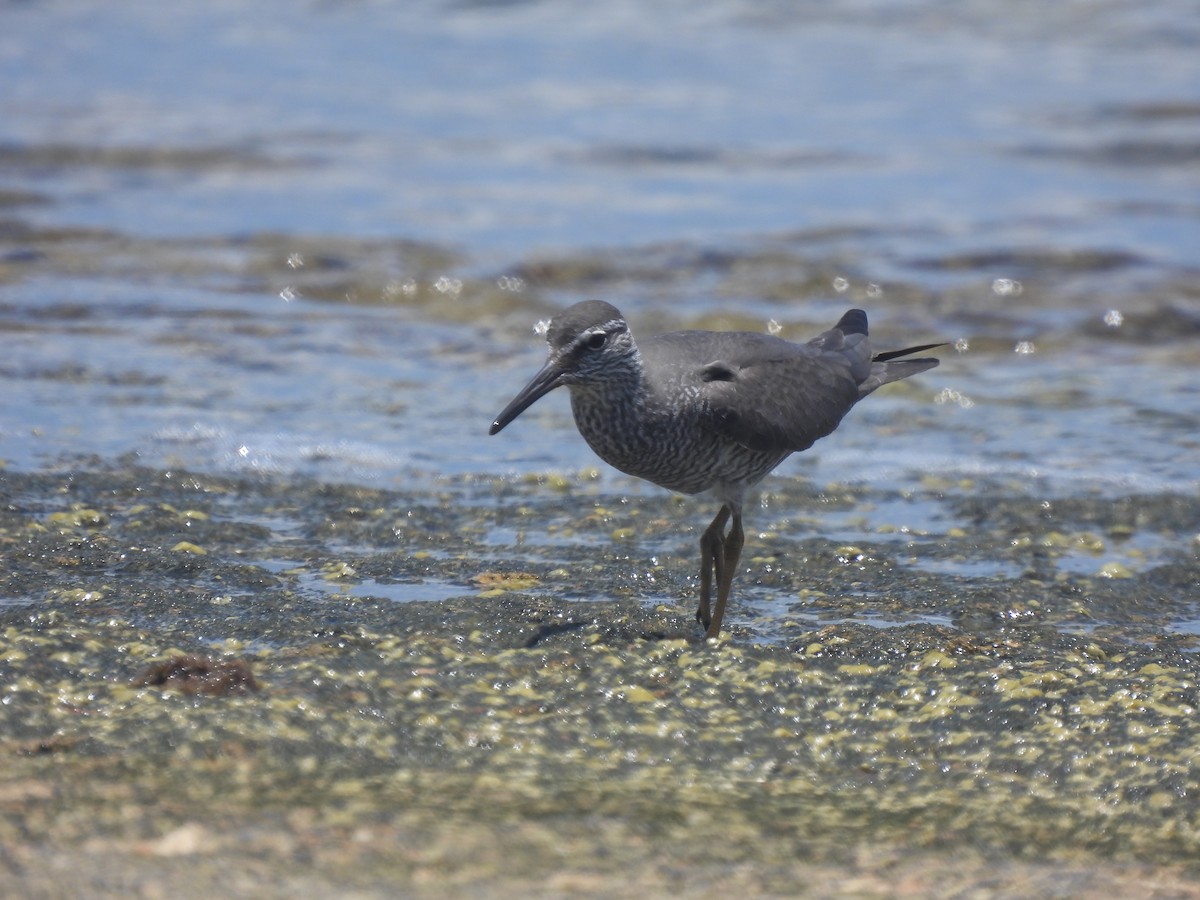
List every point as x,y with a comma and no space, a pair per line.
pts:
549,730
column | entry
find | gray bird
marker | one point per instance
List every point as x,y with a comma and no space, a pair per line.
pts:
698,411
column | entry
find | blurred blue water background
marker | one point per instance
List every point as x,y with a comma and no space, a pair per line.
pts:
181,184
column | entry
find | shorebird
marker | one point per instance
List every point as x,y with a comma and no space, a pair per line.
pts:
696,411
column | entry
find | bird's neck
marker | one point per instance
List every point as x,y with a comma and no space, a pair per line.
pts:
609,413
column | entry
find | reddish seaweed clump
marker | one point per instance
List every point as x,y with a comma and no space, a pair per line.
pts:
200,675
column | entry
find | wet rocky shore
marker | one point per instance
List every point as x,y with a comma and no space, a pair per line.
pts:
235,685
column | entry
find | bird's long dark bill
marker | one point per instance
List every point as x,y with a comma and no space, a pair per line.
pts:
543,383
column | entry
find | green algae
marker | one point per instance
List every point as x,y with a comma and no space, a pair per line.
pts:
552,733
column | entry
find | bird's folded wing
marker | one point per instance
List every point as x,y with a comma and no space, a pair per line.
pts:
779,404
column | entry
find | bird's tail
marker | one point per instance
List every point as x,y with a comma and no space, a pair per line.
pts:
887,367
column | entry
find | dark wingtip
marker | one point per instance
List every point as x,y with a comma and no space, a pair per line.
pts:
853,322
892,354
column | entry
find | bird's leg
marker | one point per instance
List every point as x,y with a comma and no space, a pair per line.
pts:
712,557
726,568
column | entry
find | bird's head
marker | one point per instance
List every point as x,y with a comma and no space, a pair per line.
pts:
589,344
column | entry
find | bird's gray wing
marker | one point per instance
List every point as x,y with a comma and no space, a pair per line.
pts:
771,395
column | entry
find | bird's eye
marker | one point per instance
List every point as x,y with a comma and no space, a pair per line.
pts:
596,341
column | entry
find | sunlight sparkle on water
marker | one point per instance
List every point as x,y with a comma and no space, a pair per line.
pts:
1113,318
949,395
1025,348
397,288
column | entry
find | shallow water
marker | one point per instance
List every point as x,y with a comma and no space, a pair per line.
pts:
207,257
313,243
